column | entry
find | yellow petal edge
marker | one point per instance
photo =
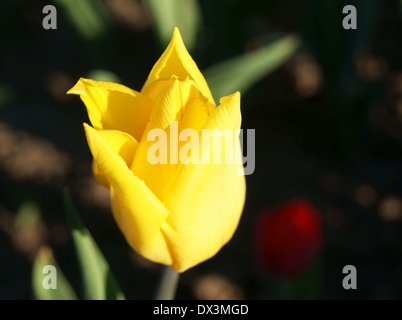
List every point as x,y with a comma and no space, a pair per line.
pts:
176,61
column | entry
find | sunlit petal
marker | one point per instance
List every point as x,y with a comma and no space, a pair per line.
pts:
176,61
205,201
114,106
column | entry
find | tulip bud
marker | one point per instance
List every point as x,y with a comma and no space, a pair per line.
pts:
170,210
288,238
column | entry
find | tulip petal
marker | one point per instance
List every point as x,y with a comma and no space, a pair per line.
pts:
181,102
114,106
120,143
173,104
176,61
227,115
138,212
205,200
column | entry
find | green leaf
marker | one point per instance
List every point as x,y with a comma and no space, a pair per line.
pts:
167,14
103,75
63,290
242,72
89,17
98,280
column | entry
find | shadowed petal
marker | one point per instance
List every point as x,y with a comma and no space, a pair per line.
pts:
138,212
121,144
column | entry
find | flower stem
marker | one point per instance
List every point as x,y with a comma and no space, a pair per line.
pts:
168,285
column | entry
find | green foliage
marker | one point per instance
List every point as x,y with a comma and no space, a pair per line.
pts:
89,17
64,291
103,75
98,280
167,14
242,72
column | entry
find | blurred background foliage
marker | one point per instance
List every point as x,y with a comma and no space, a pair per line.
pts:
326,104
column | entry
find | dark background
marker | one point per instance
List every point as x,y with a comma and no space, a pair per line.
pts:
328,128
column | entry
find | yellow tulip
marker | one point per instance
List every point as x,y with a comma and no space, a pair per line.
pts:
174,214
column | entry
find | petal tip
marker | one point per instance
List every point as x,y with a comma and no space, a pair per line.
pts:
78,88
87,127
232,97
176,37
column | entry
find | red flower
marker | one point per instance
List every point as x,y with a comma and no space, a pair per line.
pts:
288,238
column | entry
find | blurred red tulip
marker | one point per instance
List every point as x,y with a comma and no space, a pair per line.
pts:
288,238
